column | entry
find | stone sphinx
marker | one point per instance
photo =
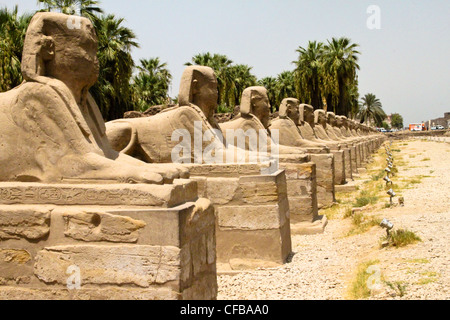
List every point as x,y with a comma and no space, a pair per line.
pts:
51,123
290,135
150,139
332,130
253,227
356,133
371,135
350,150
288,121
324,131
366,141
68,201
307,126
302,187
342,128
255,116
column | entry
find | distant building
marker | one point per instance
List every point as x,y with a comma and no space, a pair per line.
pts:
445,121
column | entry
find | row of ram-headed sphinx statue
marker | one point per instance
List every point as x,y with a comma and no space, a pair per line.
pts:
90,210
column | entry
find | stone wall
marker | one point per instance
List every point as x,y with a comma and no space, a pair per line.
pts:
412,134
161,250
444,121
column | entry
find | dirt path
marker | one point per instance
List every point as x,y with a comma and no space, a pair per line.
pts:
324,266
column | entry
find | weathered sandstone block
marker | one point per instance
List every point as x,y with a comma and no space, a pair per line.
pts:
105,265
31,223
97,226
140,252
302,189
253,216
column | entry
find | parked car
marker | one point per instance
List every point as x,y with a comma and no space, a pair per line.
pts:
439,127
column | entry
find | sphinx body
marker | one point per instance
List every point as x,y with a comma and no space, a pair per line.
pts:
254,117
329,127
287,124
153,139
307,127
362,146
355,133
342,129
150,139
51,128
320,127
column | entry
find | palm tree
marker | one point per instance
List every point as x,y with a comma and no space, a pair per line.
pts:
285,87
340,62
155,68
115,42
354,105
372,110
12,34
309,74
151,84
241,78
270,83
85,8
112,90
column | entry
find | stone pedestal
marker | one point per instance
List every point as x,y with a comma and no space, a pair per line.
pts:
325,176
354,158
252,214
302,189
361,155
339,167
348,164
106,242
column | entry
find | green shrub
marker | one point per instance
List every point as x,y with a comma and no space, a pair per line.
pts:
400,238
365,199
362,223
397,286
378,176
358,288
223,108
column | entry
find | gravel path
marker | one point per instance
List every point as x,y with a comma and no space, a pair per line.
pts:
323,266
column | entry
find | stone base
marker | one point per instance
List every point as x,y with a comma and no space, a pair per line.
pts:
362,171
348,164
237,266
83,251
302,189
325,174
309,228
339,166
354,159
252,209
349,187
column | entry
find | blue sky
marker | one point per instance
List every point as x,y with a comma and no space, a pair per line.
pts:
405,63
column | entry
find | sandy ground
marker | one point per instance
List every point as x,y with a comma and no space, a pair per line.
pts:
324,266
